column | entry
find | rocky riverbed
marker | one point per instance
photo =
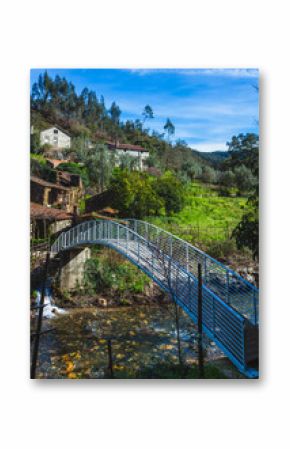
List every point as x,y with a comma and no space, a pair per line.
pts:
140,337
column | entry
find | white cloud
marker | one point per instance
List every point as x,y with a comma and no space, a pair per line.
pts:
209,146
230,72
233,73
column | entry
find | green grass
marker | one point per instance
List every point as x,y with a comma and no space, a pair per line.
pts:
205,217
212,211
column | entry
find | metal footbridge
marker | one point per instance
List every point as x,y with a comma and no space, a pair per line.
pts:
229,302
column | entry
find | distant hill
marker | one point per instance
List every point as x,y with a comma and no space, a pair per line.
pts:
215,157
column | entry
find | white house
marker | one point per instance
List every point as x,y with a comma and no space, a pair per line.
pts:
55,137
134,151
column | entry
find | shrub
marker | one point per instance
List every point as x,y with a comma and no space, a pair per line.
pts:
76,169
247,231
221,249
40,168
133,194
106,270
171,191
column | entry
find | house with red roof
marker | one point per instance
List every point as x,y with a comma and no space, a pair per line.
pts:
134,151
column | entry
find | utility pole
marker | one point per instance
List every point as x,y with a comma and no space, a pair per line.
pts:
199,324
39,320
110,359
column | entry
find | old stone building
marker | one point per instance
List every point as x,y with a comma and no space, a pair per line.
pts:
46,221
55,137
134,151
64,194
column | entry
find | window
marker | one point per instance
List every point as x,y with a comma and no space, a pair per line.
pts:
55,131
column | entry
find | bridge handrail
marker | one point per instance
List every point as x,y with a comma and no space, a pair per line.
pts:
217,282
222,322
179,267
226,280
202,253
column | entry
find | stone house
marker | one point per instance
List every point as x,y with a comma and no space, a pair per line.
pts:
55,137
135,151
64,195
49,194
46,221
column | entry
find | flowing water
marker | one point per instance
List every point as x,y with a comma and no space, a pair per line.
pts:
140,337
50,310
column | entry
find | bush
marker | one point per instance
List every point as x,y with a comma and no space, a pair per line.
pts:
247,232
227,178
35,142
221,250
133,194
244,178
136,194
40,168
74,168
208,174
171,191
108,271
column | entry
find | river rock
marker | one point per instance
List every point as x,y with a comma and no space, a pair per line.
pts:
250,278
102,302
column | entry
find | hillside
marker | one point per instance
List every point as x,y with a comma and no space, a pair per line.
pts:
216,157
85,116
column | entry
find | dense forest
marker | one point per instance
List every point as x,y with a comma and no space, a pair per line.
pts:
172,165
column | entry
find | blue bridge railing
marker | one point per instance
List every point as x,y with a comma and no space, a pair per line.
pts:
230,303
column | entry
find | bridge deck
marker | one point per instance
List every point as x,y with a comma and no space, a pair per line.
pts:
229,302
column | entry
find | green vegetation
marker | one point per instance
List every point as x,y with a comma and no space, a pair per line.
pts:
247,231
170,371
206,216
108,272
41,168
172,198
133,194
137,194
86,118
171,191
76,169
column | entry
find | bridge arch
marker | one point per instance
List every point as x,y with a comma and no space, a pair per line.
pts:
230,303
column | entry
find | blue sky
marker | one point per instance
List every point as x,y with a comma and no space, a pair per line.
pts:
207,106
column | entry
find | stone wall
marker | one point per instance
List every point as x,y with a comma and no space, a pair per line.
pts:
73,267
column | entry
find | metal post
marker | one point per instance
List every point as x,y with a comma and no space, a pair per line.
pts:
228,287
255,307
213,314
199,324
39,321
189,289
110,359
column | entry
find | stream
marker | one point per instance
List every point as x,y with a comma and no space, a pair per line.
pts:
141,337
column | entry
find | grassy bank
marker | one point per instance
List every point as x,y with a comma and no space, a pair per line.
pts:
206,217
